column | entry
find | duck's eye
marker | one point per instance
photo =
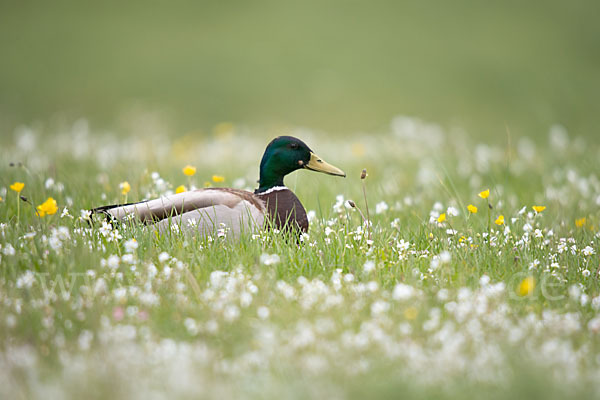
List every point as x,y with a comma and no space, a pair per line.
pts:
294,145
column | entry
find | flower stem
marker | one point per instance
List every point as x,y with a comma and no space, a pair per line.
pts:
18,208
363,176
489,229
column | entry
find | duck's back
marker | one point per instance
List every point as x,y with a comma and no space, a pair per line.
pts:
284,208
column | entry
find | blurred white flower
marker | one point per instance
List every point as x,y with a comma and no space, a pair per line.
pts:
339,204
269,259
163,257
452,212
8,250
381,207
379,307
231,313
26,280
131,245
403,292
85,339
113,262
263,312
559,139
594,325
191,326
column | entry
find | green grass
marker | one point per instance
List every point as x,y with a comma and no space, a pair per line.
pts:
161,319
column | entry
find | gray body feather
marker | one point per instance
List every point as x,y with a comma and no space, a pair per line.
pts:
204,211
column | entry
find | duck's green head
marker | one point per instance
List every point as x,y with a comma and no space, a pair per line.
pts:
286,154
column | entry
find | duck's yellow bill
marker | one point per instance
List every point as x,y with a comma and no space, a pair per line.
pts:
317,164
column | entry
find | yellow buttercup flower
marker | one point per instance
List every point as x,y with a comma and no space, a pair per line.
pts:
224,130
538,209
526,286
411,313
441,218
218,178
485,194
358,149
48,207
125,187
472,209
17,186
499,220
180,189
189,170
580,222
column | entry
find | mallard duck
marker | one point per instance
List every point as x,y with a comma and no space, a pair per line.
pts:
211,209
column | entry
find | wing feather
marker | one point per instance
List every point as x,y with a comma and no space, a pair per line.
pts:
177,204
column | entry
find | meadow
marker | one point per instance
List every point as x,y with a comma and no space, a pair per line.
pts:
475,275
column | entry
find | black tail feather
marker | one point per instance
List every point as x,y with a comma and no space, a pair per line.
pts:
103,209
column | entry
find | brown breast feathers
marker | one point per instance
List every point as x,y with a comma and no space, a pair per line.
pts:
285,210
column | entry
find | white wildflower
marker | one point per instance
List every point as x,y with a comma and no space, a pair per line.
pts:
381,207
231,313
269,259
263,312
403,245
152,270
339,204
588,251
379,307
191,326
120,294
163,257
594,325
8,250
113,262
452,212
586,273
85,215
128,259
131,245
369,266
403,292
85,339
26,280
105,229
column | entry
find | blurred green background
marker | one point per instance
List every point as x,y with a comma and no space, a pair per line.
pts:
339,66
